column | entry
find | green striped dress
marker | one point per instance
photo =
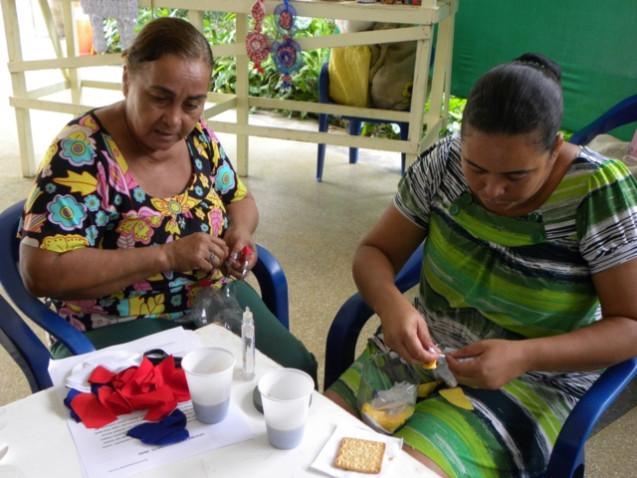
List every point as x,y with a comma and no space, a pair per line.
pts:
489,276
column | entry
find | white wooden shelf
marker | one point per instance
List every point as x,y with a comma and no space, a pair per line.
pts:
419,21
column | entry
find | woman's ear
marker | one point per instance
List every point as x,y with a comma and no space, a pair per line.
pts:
557,144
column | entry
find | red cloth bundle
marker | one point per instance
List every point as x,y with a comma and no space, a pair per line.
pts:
157,389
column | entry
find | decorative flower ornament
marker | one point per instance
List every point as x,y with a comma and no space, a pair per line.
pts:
287,57
286,53
257,42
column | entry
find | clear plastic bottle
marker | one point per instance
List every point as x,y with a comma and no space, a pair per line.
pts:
247,344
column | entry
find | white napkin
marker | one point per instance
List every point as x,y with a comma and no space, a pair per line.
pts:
323,462
115,361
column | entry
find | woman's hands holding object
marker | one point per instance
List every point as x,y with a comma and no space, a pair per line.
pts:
242,251
196,251
406,332
489,364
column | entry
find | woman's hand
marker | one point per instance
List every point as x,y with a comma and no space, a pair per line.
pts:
406,332
489,364
242,251
196,251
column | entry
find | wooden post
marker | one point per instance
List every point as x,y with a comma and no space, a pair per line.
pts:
18,81
242,92
76,92
419,93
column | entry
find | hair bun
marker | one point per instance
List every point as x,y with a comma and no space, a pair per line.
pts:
542,63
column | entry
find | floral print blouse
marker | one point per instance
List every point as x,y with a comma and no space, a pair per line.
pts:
85,196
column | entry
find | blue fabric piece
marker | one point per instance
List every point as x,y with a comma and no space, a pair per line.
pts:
67,401
95,387
171,429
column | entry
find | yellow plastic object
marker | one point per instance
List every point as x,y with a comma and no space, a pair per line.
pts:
388,421
430,365
456,397
349,75
425,389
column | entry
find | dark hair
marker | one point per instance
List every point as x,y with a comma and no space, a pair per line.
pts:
519,97
167,35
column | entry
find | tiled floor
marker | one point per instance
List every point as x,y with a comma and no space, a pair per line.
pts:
312,228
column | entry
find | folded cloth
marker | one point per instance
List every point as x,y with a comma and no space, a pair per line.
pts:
169,430
156,389
114,362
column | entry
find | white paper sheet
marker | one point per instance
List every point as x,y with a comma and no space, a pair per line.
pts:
109,453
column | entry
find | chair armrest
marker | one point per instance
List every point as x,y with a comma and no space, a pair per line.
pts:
568,453
273,284
29,305
24,347
341,338
352,316
409,275
622,113
75,340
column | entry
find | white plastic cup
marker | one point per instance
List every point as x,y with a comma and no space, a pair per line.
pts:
285,394
209,375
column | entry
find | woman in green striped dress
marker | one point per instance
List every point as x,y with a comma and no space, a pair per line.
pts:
527,277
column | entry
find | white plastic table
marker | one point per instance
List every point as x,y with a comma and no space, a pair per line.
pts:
40,444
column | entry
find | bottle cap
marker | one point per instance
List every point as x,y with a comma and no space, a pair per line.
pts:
247,315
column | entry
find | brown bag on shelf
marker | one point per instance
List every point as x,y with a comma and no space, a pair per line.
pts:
392,73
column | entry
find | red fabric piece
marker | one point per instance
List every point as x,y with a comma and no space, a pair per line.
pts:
92,413
123,377
114,401
101,375
156,389
174,377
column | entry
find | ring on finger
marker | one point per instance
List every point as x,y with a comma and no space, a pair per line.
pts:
213,259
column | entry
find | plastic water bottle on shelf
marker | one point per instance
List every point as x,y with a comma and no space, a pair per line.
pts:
247,344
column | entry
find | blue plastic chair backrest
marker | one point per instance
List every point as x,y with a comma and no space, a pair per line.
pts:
622,113
32,355
29,305
26,349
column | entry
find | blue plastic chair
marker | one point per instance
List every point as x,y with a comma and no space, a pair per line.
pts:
567,459
24,347
32,355
354,127
622,113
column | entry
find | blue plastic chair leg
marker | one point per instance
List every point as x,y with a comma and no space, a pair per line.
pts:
355,130
320,155
404,135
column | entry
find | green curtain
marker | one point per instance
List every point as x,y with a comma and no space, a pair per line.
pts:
595,43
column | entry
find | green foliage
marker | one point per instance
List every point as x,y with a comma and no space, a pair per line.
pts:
269,84
219,28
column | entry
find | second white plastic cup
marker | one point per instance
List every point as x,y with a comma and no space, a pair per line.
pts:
209,375
285,394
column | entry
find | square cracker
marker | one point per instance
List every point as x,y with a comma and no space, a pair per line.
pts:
363,456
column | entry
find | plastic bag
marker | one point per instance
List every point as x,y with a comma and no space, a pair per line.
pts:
387,393
216,306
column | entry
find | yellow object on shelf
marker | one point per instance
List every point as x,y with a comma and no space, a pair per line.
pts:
349,75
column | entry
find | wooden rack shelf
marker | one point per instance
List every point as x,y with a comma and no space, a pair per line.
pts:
419,22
